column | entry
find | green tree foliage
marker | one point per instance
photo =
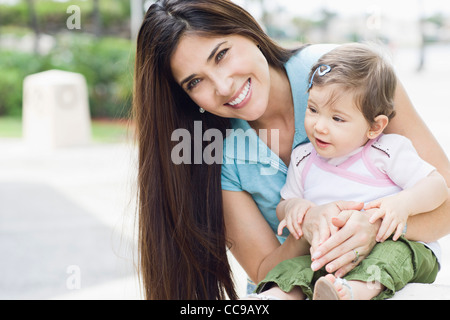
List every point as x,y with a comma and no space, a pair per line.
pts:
106,63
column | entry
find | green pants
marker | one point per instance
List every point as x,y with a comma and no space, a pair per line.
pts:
391,263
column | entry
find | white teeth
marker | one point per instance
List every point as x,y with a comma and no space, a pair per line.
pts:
241,96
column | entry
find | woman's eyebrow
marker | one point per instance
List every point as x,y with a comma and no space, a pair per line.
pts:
213,53
192,76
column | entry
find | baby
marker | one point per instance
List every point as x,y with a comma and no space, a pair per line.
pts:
351,93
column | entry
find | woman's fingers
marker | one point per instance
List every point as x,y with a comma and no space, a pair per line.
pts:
348,259
324,231
318,231
316,227
335,240
328,251
325,244
356,233
349,205
342,218
320,236
345,267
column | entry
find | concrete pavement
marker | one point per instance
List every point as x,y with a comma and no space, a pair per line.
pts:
63,220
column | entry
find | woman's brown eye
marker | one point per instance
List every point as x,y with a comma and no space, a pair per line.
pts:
192,84
221,54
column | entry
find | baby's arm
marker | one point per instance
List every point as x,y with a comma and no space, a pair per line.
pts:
290,213
426,195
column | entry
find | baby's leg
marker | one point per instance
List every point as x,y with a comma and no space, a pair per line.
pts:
290,279
328,288
394,264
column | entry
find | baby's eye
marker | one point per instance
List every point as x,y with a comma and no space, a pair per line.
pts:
192,84
338,119
312,109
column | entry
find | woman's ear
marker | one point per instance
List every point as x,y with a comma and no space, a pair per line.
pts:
377,126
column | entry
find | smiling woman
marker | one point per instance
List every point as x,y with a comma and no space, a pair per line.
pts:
192,54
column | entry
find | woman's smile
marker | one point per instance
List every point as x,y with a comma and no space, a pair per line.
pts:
240,99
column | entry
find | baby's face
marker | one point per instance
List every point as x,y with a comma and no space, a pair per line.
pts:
333,122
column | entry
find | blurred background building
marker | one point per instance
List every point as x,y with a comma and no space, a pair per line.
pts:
62,211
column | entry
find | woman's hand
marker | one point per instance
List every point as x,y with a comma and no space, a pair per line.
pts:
317,224
351,244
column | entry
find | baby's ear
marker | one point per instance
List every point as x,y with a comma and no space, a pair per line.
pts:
377,126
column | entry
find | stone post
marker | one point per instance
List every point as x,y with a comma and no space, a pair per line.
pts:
56,110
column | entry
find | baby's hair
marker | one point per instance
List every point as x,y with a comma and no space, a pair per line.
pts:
363,70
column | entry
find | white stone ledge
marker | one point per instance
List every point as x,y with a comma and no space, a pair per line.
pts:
420,291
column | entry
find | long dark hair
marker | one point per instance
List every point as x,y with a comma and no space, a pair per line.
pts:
182,242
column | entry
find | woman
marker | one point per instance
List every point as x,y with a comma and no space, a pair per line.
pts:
210,61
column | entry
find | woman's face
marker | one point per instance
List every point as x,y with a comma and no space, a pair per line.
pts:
225,75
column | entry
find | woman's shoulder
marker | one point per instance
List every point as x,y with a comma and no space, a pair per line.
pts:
299,66
309,55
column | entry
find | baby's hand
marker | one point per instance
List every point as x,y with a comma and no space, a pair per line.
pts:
295,211
394,215
293,227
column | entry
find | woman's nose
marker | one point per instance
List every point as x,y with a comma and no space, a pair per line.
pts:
223,85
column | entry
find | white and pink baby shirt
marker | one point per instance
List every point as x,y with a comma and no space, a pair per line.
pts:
384,166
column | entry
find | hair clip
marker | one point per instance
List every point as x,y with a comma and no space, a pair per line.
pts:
320,73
